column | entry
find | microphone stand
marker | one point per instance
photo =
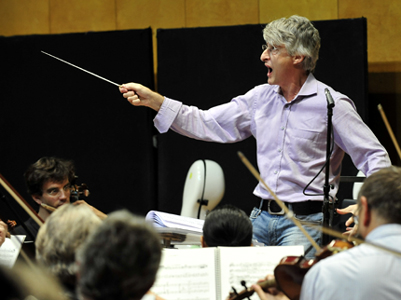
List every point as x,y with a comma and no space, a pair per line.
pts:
328,206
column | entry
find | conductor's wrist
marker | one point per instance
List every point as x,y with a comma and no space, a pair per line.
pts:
157,104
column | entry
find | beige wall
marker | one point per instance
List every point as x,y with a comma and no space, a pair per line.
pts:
23,17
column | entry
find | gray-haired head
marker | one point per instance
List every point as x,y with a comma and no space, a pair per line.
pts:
120,259
59,238
299,37
382,190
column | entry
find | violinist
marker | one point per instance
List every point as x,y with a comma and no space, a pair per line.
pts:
363,272
49,183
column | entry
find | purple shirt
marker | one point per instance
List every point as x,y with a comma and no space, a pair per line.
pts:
290,136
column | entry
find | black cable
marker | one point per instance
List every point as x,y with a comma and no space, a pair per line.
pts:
320,171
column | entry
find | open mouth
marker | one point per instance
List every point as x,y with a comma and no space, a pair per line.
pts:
269,71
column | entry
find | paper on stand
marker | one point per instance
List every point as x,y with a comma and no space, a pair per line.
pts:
10,250
162,219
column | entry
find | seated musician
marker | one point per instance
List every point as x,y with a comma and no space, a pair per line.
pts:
49,183
364,271
119,260
59,238
227,225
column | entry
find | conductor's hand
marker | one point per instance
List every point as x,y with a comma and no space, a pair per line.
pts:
139,95
351,231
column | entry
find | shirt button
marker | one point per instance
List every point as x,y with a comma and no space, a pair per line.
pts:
275,172
279,150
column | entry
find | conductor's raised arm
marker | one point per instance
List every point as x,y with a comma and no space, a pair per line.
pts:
139,95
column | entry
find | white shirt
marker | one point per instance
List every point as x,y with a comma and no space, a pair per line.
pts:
363,272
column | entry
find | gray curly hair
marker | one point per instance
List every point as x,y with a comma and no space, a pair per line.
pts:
298,35
60,237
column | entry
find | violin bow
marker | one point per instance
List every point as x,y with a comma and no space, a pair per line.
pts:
338,234
30,211
390,131
289,213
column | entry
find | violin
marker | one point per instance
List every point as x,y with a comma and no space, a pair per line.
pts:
246,293
78,190
290,272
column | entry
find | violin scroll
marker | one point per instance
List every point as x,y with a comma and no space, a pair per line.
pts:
247,292
79,190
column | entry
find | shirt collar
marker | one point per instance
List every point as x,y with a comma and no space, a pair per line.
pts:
309,88
383,231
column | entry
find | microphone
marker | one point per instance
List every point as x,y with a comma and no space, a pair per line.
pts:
330,101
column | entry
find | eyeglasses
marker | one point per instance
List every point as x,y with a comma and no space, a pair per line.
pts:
55,192
272,50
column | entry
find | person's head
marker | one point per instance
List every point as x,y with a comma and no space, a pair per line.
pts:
294,37
49,181
59,238
379,200
227,225
120,259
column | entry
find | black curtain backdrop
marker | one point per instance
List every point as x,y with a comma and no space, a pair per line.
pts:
48,108
209,66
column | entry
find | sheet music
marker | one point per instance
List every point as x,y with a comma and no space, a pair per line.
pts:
252,265
189,274
210,273
162,219
10,250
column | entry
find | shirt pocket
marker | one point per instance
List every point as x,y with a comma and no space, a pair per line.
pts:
306,145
